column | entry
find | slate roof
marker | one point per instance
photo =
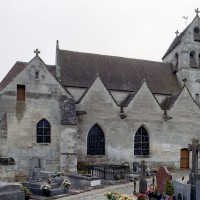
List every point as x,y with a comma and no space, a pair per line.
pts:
117,73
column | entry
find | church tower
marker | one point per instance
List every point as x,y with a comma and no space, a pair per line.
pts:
184,54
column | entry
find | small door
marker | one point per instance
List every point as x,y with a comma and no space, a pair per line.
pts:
184,162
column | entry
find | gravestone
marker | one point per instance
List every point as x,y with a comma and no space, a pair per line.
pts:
194,176
11,192
197,186
142,181
181,189
161,176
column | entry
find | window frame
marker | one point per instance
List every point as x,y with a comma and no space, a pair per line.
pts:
96,141
43,132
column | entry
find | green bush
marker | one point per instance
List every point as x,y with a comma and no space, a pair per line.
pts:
169,188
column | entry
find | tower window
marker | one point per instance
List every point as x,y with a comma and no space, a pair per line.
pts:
197,98
196,34
36,75
193,62
21,92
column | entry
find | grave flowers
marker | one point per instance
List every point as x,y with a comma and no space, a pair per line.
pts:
66,183
151,191
141,196
117,196
46,189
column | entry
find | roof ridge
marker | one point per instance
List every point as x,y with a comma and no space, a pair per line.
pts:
110,56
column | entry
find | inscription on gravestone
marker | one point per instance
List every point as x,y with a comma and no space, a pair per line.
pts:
161,176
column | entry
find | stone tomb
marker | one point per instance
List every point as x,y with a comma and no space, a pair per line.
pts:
11,192
80,180
161,176
182,189
34,183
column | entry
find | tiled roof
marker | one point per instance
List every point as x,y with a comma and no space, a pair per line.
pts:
117,73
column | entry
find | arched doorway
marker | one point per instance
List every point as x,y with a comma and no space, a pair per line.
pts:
184,158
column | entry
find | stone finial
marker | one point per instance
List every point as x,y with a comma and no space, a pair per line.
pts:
37,52
177,33
197,11
57,44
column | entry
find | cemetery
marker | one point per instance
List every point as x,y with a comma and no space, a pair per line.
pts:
158,186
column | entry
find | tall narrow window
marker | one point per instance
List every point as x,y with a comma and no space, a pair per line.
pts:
141,142
176,62
36,75
196,34
21,92
197,98
95,141
199,61
43,131
193,62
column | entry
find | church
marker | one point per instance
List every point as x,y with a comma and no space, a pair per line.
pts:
98,109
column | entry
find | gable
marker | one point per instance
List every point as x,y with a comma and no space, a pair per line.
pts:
36,76
184,103
144,101
97,92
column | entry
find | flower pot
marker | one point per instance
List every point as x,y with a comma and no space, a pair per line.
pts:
170,197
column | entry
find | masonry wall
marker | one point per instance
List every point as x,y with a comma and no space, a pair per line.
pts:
42,101
166,138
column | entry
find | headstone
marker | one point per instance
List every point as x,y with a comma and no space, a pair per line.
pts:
194,176
161,176
142,182
181,189
197,186
11,192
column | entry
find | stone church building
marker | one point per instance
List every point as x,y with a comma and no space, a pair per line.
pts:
102,109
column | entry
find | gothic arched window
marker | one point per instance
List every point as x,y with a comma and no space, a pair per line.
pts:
141,142
193,62
196,34
43,131
95,141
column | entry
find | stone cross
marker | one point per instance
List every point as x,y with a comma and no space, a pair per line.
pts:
142,182
177,33
143,168
197,11
195,148
37,52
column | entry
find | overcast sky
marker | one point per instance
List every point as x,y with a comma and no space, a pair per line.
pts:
141,29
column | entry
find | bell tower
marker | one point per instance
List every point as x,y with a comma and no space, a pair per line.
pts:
184,54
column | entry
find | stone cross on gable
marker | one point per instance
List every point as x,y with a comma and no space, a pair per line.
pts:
195,148
37,52
197,11
177,33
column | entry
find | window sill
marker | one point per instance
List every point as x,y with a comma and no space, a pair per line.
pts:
142,156
95,156
43,144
